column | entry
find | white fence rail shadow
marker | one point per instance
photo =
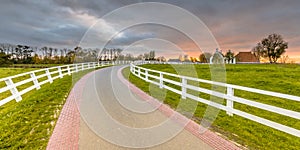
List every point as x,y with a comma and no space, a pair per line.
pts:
38,78
145,75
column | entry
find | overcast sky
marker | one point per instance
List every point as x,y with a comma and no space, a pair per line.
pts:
236,24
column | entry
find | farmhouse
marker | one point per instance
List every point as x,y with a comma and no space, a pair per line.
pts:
246,57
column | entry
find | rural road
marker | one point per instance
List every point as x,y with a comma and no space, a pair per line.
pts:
105,111
112,117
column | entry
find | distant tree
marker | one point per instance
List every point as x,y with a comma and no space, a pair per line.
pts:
284,59
23,54
229,56
271,47
7,48
119,51
27,52
44,51
128,57
186,58
193,59
50,52
140,57
147,56
70,58
4,59
19,52
152,55
181,58
36,59
161,59
204,57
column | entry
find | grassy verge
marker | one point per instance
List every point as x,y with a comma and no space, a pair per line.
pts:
278,78
34,65
6,72
29,123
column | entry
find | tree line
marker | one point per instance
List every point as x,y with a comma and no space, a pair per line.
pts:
148,56
271,48
23,54
205,57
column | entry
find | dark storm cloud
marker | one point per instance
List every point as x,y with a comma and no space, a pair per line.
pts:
128,38
237,25
38,23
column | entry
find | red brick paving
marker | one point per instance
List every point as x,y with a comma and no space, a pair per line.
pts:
66,131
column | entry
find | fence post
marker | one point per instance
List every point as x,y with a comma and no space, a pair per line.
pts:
69,71
94,65
161,82
49,75
13,89
35,81
131,68
183,88
60,73
229,102
88,65
134,70
146,75
82,66
139,72
98,64
76,67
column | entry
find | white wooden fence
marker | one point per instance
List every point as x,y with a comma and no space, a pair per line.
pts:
144,74
40,77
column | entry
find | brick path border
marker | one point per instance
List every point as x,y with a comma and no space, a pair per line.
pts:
66,131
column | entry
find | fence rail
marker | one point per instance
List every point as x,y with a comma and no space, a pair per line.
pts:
38,78
144,74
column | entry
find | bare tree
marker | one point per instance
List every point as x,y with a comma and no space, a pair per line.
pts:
284,59
152,55
271,47
44,51
229,56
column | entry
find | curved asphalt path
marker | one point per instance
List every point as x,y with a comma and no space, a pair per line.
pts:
106,93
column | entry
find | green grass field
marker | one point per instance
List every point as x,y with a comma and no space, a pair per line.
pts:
277,78
34,65
6,72
29,123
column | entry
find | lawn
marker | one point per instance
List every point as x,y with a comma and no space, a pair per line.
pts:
34,65
6,72
30,123
277,78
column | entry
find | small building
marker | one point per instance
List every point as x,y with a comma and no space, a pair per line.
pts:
246,57
219,58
